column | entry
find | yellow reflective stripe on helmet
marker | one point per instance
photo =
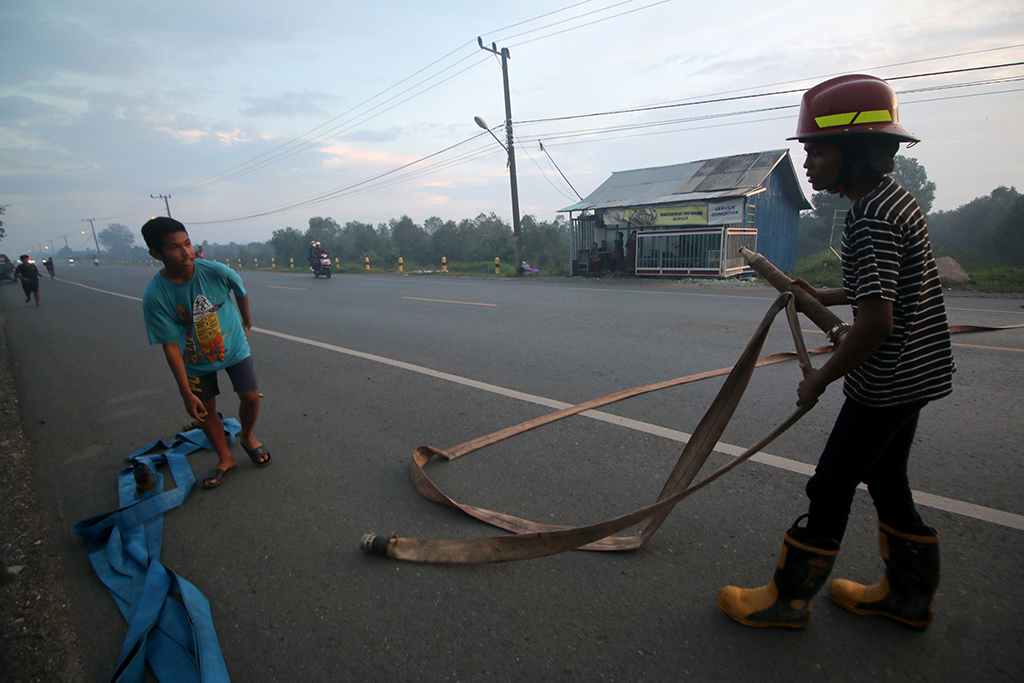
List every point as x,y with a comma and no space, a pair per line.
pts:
874,116
835,120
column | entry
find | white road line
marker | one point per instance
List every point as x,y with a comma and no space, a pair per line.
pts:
446,301
102,291
957,507
979,512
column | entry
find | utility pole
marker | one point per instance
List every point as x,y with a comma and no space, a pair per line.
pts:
66,245
89,221
164,197
516,234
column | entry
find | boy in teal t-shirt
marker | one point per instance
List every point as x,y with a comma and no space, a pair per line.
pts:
188,310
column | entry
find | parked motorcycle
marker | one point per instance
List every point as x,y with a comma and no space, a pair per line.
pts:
321,266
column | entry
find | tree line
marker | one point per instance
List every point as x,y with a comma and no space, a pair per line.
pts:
472,243
985,233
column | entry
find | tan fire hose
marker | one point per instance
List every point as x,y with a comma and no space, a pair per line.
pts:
827,321
533,539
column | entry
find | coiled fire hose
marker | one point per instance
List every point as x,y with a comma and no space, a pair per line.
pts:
531,539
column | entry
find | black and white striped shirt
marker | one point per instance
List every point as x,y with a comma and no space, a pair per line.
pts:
886,252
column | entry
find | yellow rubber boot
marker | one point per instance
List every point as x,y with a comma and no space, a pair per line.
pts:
803,568
907,589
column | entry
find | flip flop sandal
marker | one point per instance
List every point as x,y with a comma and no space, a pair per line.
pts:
216,477
257,453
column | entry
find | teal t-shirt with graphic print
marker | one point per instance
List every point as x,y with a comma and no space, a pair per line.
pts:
200,316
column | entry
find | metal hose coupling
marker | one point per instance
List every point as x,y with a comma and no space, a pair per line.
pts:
144,480
827,321
374,544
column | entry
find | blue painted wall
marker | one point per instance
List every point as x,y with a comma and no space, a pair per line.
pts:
776,220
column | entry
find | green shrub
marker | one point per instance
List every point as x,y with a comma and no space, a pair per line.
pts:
821,270
999,280
479,268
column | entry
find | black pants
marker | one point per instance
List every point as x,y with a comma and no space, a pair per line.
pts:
870,445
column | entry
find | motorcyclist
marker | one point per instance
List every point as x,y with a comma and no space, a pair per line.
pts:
316,252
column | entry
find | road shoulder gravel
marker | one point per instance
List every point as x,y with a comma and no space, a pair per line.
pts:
37,636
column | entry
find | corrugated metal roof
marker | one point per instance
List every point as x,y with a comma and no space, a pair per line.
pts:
735,176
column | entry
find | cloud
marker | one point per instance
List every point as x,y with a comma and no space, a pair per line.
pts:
432,199
69,49
342,155
289,105
373,135
18,109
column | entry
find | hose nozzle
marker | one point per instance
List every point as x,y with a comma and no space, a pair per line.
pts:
374,544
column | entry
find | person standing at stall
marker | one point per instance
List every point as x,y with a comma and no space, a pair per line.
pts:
895,359
630,248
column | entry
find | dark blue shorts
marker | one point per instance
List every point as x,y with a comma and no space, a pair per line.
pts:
243,380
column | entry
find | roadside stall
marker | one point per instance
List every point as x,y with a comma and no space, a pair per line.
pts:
689,220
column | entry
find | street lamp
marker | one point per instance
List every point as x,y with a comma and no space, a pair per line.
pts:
515,189
483,124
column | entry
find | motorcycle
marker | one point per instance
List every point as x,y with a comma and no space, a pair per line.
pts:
321,266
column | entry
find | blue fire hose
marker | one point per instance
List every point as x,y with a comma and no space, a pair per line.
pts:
175,636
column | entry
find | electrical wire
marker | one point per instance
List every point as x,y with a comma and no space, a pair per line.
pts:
329,195
718,100
282,151
580,16
525,151
821,77
540,143
222,177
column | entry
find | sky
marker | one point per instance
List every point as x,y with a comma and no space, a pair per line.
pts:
254,117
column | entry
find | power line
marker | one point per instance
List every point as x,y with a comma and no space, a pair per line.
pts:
579,16
761,120
719,100
281,152
332,194
591,23
384,179
879,67
558,189
551,159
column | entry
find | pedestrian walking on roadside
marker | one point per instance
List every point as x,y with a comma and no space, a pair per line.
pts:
29,276
48,263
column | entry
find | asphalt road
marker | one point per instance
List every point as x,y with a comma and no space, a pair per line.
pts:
275,550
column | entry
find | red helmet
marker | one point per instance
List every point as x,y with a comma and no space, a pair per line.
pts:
848,105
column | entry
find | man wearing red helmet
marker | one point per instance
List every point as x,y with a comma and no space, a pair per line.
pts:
895,359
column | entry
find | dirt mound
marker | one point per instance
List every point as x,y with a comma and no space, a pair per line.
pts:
950,270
